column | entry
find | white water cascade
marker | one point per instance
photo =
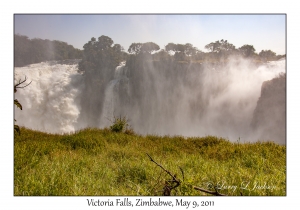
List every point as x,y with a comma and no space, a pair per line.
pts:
111,97
53,102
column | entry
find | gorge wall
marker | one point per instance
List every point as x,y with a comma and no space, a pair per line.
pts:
269,117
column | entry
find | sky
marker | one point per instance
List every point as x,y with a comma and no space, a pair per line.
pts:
264,32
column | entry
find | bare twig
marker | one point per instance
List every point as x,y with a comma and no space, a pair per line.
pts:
168,172
168,183
19,83
207,191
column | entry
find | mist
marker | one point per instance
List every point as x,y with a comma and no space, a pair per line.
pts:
50,103
188,99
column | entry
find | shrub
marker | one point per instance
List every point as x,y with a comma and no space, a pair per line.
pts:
120,124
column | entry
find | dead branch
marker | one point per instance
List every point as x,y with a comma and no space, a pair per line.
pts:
168,183
168,172
210,192
19,83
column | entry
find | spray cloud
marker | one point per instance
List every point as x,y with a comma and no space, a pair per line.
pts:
189,99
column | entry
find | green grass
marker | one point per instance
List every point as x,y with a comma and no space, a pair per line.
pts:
101,162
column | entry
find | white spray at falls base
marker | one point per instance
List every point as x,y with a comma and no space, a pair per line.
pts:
52,102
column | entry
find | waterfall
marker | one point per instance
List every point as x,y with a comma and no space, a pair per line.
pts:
191,103
111,97
51,102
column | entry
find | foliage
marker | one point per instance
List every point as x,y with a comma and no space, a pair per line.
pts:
267,55
190,50
28,51
147,47
162,55
247,50
180,56
100,54
171,47
17,103
181,51
101,162
135,48
119,124
219,46
17,129
100,58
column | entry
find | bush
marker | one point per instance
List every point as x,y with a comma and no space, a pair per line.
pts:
120,124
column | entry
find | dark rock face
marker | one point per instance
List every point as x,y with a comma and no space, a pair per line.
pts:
269,117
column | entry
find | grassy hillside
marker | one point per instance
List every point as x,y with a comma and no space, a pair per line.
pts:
100,162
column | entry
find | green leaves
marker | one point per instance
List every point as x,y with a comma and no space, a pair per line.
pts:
100,55
120,124
17,129
219,46
17,103
247,50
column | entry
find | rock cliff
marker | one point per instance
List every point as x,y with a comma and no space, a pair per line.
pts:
269,117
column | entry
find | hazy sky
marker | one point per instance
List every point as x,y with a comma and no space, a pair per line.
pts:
264,32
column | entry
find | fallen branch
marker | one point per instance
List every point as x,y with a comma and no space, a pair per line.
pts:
210,192
168,183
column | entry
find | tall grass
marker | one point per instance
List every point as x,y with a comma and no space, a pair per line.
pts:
101,162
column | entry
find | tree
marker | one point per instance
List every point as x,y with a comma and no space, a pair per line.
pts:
135,48
118,48
100,58
226,46
213,46
21,50
162,55
104,43
17,103
171,47
175,47
247,50
101,53
267,55
190,50
180,56
219,46
149,47
180,48
28,51
181,51
199,55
